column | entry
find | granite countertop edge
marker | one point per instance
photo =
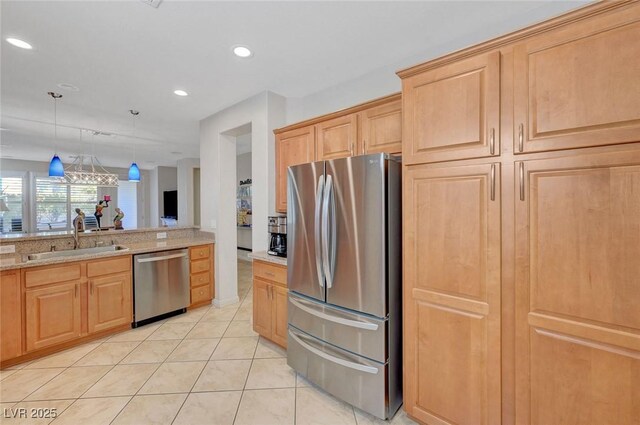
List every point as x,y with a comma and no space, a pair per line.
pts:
263,256
135,248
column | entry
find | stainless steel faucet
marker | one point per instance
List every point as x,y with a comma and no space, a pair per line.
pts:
79,223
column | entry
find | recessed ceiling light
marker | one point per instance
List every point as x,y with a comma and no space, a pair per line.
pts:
242,51
176,153
68,86
181,93
19,43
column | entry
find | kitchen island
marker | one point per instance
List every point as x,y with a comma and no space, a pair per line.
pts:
50,304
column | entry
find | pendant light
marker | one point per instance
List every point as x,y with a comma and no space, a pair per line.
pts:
56,168
134,171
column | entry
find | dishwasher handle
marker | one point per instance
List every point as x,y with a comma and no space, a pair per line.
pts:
166,257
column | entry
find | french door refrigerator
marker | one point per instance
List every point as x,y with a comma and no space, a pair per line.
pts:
344,277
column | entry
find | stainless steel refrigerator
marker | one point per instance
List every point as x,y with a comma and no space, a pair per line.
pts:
344,277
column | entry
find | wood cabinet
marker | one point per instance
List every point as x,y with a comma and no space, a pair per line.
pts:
279,316
52,314
201,274
381,129
578,86
110,302
270,301
292,148
337,137
577,289
452,112
521,298
10,315
371,127
452,294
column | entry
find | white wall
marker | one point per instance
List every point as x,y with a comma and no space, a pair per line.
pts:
162,179
264,112
39,167
185,190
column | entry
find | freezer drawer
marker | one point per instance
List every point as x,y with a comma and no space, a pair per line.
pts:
363,335
354,379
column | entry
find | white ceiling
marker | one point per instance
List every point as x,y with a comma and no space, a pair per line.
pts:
127,54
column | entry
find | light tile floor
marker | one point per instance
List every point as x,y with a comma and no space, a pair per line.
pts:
203,367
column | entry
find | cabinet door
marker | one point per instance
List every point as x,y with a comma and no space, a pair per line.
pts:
52,315
381,128
279,313
337,137
452,294
577,290
452,112
292,148
110,302
262,308
579,86
10,315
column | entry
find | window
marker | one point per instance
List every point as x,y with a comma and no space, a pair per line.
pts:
56,203
11,221
128,203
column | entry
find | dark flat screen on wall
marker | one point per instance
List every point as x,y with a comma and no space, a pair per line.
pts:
171,204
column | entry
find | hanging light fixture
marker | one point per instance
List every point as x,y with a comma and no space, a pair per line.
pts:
94,175
134,171
56,168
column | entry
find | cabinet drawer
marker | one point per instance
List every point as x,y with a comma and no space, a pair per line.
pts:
199,252
110,266
270,272
199,279
200,266
51,274
201,293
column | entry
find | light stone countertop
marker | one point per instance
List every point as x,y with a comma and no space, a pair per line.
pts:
263,256
18,261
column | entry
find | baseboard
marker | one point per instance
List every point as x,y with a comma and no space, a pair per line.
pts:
222,303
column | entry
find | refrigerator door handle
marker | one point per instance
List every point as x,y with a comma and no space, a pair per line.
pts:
331,318
334,359
328,272
318,239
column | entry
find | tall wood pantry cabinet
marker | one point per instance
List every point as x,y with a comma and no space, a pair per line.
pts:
521,204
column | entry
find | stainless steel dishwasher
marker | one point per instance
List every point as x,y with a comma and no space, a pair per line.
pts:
160,285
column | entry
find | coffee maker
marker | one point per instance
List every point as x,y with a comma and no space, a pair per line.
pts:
278,232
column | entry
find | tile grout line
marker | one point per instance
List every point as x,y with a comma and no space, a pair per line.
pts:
65,368
156,370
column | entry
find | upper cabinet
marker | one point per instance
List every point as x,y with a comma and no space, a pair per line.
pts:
381,128
371,127
578,86
293,147
337,137
453,111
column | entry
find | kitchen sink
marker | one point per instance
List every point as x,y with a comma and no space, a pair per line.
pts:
74,252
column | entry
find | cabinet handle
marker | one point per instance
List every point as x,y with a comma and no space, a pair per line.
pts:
493,182
364,146
521,138
492,141
75,292
521,173
269,274
91,287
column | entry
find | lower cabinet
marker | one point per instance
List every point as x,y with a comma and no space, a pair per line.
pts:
59,307
201,275
10,315
53,315
270,303
279,315
110,302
